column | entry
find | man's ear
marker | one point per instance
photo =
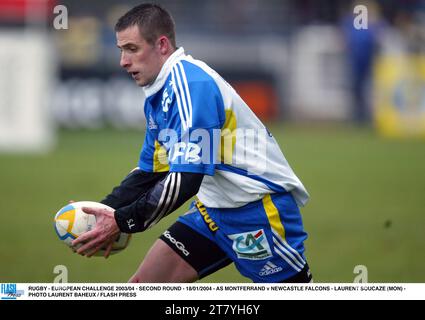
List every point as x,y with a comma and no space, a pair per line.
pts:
163,44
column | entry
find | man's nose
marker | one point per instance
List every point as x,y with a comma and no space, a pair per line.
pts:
124,61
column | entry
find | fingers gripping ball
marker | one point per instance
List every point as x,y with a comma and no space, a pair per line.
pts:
71,221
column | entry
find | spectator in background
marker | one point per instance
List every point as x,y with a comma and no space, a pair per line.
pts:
361,47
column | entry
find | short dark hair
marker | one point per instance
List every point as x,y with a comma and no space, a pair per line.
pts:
153,21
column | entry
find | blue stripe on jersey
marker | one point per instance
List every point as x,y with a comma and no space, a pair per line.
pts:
273,186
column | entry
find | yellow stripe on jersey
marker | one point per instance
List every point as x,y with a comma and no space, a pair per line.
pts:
273,216
228,137
160,159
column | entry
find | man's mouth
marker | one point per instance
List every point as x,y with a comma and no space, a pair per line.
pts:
135,74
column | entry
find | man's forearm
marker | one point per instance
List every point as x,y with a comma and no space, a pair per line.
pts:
138,182
165,196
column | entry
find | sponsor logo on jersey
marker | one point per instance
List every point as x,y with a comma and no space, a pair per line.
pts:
211,224
270,268
251,245
152,124
188,151
167,97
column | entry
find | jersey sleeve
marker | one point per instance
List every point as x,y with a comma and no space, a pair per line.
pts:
146,159
168,194
198,115
153,156
135,184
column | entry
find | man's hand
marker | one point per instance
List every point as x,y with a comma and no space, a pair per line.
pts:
103,235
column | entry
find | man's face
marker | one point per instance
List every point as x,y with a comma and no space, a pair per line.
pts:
141,59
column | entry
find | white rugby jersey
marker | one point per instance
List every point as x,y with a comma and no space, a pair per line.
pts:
196,122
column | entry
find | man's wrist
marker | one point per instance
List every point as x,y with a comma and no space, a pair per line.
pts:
125,223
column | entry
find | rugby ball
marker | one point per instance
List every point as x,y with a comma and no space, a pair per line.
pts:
71,221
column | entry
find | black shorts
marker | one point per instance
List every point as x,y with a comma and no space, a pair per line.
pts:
198,251
204,255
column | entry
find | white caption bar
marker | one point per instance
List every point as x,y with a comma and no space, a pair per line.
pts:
220,291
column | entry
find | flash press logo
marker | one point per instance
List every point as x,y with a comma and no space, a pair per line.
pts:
9,291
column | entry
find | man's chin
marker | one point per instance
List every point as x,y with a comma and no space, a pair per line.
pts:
140,83
143,83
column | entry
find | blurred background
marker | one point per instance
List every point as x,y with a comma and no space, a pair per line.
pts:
346,104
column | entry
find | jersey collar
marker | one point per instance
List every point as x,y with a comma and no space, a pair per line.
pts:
163,74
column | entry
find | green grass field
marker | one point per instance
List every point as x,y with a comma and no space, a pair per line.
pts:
367,204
